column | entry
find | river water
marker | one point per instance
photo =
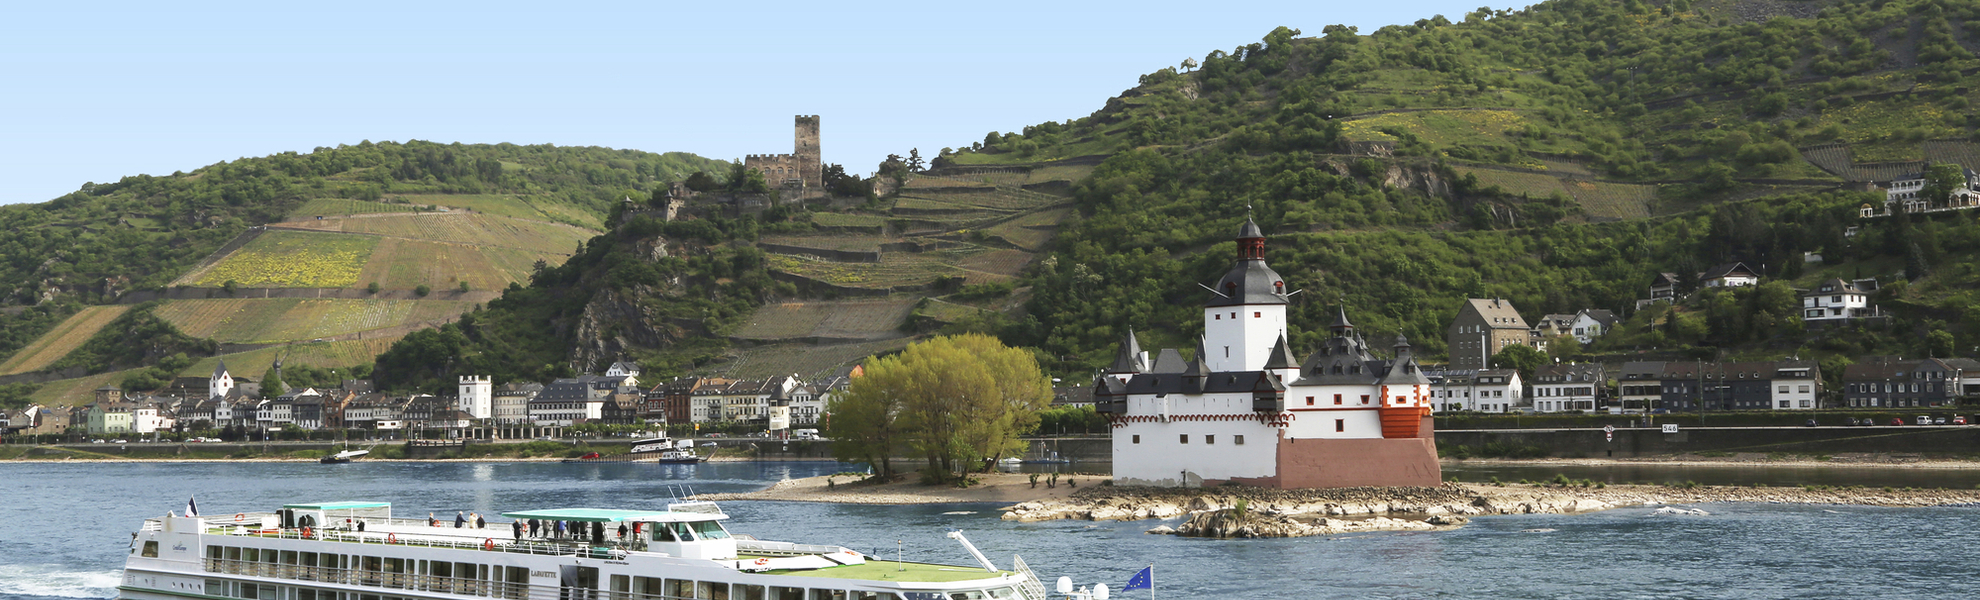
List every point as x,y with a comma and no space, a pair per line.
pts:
64,530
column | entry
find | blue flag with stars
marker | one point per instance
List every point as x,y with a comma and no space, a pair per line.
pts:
1142,580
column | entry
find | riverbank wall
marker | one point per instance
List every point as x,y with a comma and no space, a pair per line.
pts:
1644,441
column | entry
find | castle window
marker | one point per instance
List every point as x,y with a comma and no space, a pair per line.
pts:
1309,401
1209,439
1239,441
1137,439
1185,438
1364,398
1337,399
1257,314
1340,425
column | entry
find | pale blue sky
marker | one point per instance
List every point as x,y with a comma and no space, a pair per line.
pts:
94,91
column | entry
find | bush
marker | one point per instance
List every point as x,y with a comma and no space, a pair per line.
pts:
422,290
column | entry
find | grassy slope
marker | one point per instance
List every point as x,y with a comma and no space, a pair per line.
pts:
63,338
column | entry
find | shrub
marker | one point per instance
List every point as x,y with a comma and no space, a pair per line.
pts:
422,290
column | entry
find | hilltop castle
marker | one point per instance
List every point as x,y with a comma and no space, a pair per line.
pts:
1244,410
799,174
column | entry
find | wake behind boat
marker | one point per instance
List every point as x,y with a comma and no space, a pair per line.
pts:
359,551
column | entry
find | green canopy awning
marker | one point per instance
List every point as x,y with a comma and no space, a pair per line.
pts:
602,515
338,505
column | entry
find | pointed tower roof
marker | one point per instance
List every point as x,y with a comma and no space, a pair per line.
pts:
1341,320
220,369
1250,230
1281,356
1128,358
1200,365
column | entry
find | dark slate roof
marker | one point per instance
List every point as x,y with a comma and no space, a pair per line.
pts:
1169,361
220,369
1281,357
1128,359
1250,230
1403,371
1643,370
1248,282
1665,280
1341,320
1834,285
1165,383
1601,315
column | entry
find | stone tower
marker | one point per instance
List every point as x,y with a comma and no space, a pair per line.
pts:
810,168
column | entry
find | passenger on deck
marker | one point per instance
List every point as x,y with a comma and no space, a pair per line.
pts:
432,521
460,519
622,532
480,523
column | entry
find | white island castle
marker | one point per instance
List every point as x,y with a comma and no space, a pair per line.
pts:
1244,410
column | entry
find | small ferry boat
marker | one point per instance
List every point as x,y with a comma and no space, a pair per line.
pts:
670,452
359,551
342,457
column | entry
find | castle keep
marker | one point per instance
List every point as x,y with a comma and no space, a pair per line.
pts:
801,171
1245,410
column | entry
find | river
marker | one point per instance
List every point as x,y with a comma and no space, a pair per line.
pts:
64,530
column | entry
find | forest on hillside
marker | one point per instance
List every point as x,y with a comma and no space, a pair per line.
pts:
1360,155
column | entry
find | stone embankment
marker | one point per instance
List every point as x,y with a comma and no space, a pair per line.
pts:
1281,513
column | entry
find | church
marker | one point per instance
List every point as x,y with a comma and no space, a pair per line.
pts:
1243,410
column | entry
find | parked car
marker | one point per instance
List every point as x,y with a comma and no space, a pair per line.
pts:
1897,421
1924,419
1938,420
1810,423
120,441
1958,420
96,441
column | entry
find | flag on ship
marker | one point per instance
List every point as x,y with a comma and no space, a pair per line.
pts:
1143,580
192,508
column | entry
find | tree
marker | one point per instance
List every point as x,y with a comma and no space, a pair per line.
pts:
1564,347
746,180
1939,343
953,400
422,290
914,163
1941,180
464,286
271,383
701,181
1188,64
373,288
1520,357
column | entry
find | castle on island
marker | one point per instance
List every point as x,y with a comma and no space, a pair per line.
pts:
1244,410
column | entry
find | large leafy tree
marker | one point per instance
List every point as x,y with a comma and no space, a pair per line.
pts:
954,400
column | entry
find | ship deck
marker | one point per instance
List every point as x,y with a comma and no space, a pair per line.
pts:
876,570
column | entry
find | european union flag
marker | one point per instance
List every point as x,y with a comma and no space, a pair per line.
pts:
1142,580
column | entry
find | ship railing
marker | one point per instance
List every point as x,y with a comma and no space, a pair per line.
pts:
534,547
153,525
371,578
1028,583
767,548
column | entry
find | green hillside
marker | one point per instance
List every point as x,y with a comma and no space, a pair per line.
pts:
402,216
1558,156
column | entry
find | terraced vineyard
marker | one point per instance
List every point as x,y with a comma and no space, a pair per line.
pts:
406,264
319,354
1032,231
1612,200
291,259
995,265
258,320
521,207
844,319
805,360
1965,154
894,270
485,230
333,207
61,340
1532,185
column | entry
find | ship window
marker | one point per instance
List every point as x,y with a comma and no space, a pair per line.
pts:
710,530
831,595
747,592
786,593
713,590
150,549
679,588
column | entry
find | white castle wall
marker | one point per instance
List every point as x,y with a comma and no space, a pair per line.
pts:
1240,338
1162,459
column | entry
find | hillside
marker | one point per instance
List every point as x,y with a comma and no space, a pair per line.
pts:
349,246
1558,156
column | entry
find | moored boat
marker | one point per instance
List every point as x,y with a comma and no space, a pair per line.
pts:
342,457
359,551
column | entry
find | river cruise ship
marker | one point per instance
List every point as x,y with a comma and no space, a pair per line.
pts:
360,551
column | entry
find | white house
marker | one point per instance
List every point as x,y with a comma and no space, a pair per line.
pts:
1488,391
220,383
477,396
1591,323
1797,385
511,403
1732,274
1243,409
1835,302
1571,387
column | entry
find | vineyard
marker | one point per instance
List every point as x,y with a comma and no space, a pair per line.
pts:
895,269
804,360
1965,154
252,320
1531,185
857,243
61,340
337,207
1613,200
254,363
995,265
485,230
1031,231
510,206
848,319
406,264
293,259
829,219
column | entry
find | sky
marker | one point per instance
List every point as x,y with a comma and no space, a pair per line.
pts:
95,91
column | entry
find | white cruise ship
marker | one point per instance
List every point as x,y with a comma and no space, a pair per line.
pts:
359,551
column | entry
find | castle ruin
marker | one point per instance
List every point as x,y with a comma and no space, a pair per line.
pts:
799,174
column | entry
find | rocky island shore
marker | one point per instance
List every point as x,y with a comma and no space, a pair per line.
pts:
1258,512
